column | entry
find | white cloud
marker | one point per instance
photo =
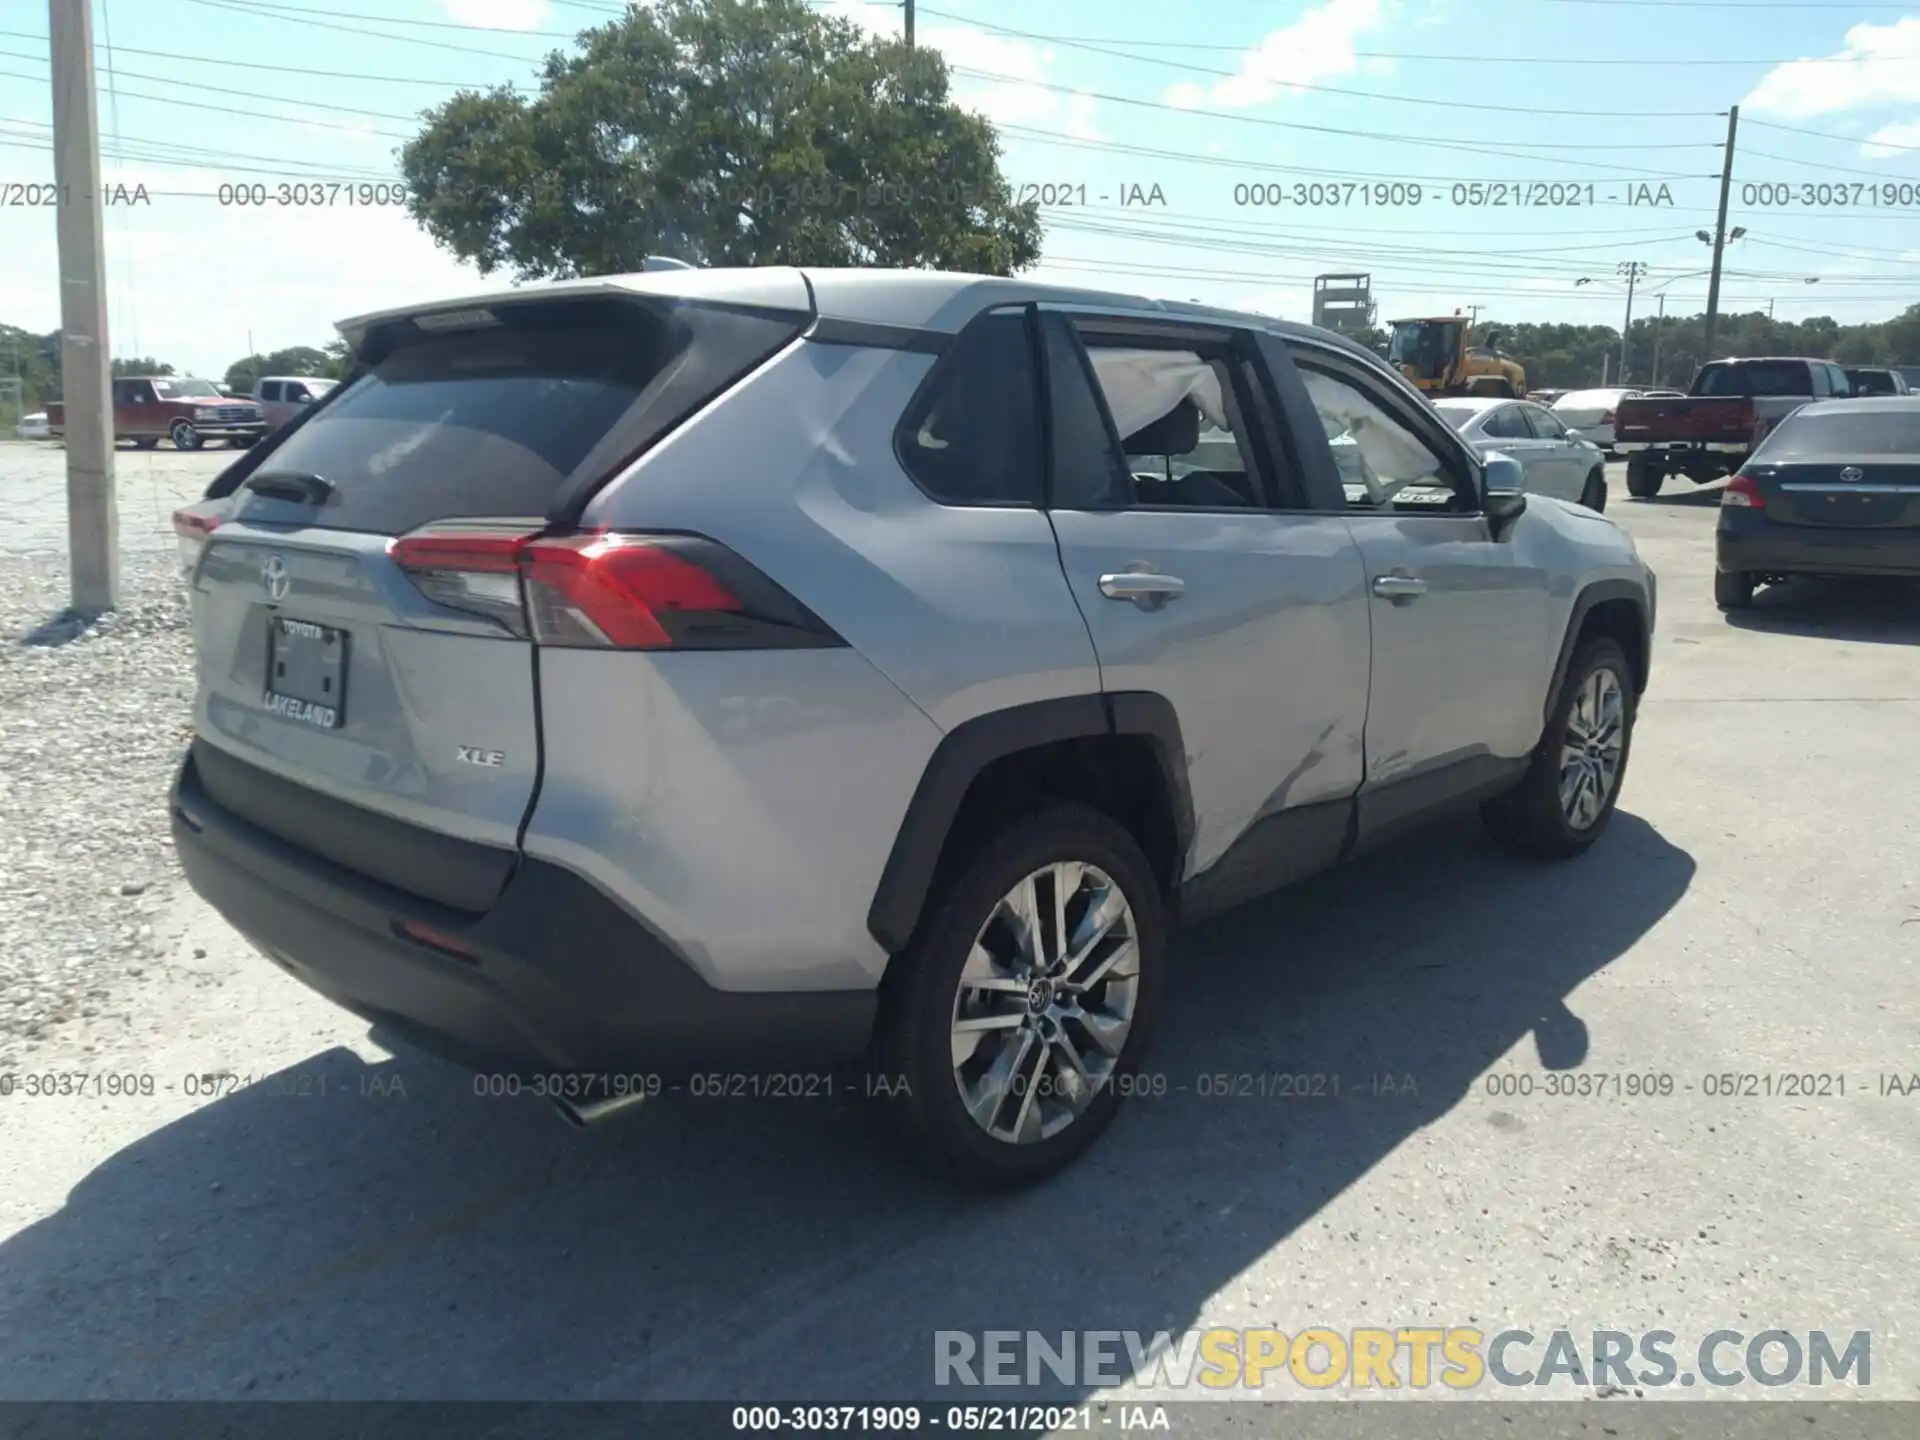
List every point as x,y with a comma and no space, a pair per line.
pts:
1884,72
1891,142
499,14
1017,99
1317,45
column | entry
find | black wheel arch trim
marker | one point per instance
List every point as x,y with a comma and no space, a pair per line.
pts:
1598,593
969,748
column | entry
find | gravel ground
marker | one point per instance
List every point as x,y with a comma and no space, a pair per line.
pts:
92,718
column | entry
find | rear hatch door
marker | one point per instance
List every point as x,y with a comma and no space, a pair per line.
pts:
333,681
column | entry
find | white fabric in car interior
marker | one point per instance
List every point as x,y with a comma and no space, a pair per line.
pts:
1143,385
1388,451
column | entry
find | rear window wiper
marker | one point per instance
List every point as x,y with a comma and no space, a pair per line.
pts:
301,486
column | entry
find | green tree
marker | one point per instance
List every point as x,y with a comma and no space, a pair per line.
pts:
242,375
721,132
146,365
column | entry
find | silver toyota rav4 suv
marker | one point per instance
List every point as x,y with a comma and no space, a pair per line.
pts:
756,672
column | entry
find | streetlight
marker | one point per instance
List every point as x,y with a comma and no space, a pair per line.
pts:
1632,270
1660,322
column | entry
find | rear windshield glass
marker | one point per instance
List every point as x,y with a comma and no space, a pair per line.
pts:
1873,382
494,422
1873,432
1756,377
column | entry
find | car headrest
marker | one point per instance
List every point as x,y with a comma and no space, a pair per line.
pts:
1175,433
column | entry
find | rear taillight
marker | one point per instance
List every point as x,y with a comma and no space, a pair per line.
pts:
610,591
477,571
192,525
1744,492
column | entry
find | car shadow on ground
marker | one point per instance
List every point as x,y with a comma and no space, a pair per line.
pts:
1882,611
1705,496
397,1237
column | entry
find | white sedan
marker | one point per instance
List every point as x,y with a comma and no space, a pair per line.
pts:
33,427
1591,412
1555,461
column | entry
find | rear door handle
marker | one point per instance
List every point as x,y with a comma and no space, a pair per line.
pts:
1399,587
1143,587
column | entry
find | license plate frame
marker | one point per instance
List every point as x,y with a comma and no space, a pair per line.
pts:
306,679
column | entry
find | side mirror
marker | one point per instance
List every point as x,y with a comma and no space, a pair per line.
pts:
1505,494
1576,435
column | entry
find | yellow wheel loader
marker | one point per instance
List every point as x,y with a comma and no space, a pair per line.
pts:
1433,353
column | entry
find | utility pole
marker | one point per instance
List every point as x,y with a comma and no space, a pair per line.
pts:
1633,270
909,10
93,517
1659,324
1720,236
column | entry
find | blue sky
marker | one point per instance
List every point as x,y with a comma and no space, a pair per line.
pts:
1104,101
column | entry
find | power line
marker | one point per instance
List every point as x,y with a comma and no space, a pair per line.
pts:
305,18
229,110
1466,146
1830,135
247,94
1822,165
1156,44
1284,85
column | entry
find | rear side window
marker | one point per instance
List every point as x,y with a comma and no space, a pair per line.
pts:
1756,378
269,389
972,434
512,419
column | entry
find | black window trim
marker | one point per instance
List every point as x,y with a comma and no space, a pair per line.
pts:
947,357
1532,413
1461,459
1245,375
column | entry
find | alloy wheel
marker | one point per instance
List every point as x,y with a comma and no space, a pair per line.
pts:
1046,1002
1590,750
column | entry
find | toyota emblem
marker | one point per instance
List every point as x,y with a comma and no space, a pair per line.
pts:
273,575
1851,473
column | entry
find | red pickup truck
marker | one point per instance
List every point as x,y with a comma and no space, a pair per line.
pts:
1711,431
150,408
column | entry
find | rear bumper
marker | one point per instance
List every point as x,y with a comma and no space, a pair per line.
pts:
1684,447
556,976
1746,541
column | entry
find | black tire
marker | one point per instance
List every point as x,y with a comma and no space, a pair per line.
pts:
913,1040
1594,494
146,442
243,442
1645,476
1733,589
1531,819
185,437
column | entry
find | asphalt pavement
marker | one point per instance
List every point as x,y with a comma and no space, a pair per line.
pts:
294,1212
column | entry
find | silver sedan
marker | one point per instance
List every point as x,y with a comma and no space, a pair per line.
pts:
1556,461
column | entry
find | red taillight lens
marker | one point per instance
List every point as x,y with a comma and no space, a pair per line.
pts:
618,590
194,524
609,591
475,570
1744,491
